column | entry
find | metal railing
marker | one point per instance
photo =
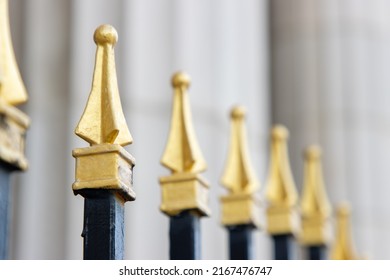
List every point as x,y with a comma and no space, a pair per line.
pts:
104,173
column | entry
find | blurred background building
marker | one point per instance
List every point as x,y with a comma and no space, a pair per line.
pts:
318,67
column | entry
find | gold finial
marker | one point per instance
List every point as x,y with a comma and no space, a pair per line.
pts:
342,247
184,189
240,205
106,164
103,120
280,188
12,90
239,177
182,152
315,207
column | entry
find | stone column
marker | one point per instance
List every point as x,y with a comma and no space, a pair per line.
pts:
42,52
329,65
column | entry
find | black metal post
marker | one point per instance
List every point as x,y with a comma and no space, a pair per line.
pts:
5,173
240,242
103,230
184,236
316,252
282,246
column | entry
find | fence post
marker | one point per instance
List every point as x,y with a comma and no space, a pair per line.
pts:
240,208
343,248
315,207
281,195
104,171
184,192
13,123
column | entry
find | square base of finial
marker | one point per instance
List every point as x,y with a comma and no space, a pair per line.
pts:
240,209
13,126
315,231
104,166
281,220
182,192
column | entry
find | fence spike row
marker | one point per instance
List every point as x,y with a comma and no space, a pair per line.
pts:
281,194
240,208
12,90
182,153
104,170
103,120
315,207
343,248
184,192
13,124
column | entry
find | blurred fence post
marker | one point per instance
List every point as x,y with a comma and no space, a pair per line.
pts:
315,207
343,248
13,123
184,192
240,208
281,195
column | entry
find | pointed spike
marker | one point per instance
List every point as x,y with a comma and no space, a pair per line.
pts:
315,207
182,153
103,120
240,207
280,188
314,201
239,177
12,89
343,248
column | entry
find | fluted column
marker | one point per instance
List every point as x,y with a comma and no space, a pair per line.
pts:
42,49
330,85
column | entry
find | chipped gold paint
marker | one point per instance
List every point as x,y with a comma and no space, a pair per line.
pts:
239,207
184,189
13,122
105,164
281,192
343,248
315,207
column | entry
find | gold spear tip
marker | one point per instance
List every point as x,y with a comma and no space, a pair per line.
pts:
181,80
313,152
343,210
343,248
315,207
240,206
279,132
103,120
238,112
238,175
105,34
12,89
